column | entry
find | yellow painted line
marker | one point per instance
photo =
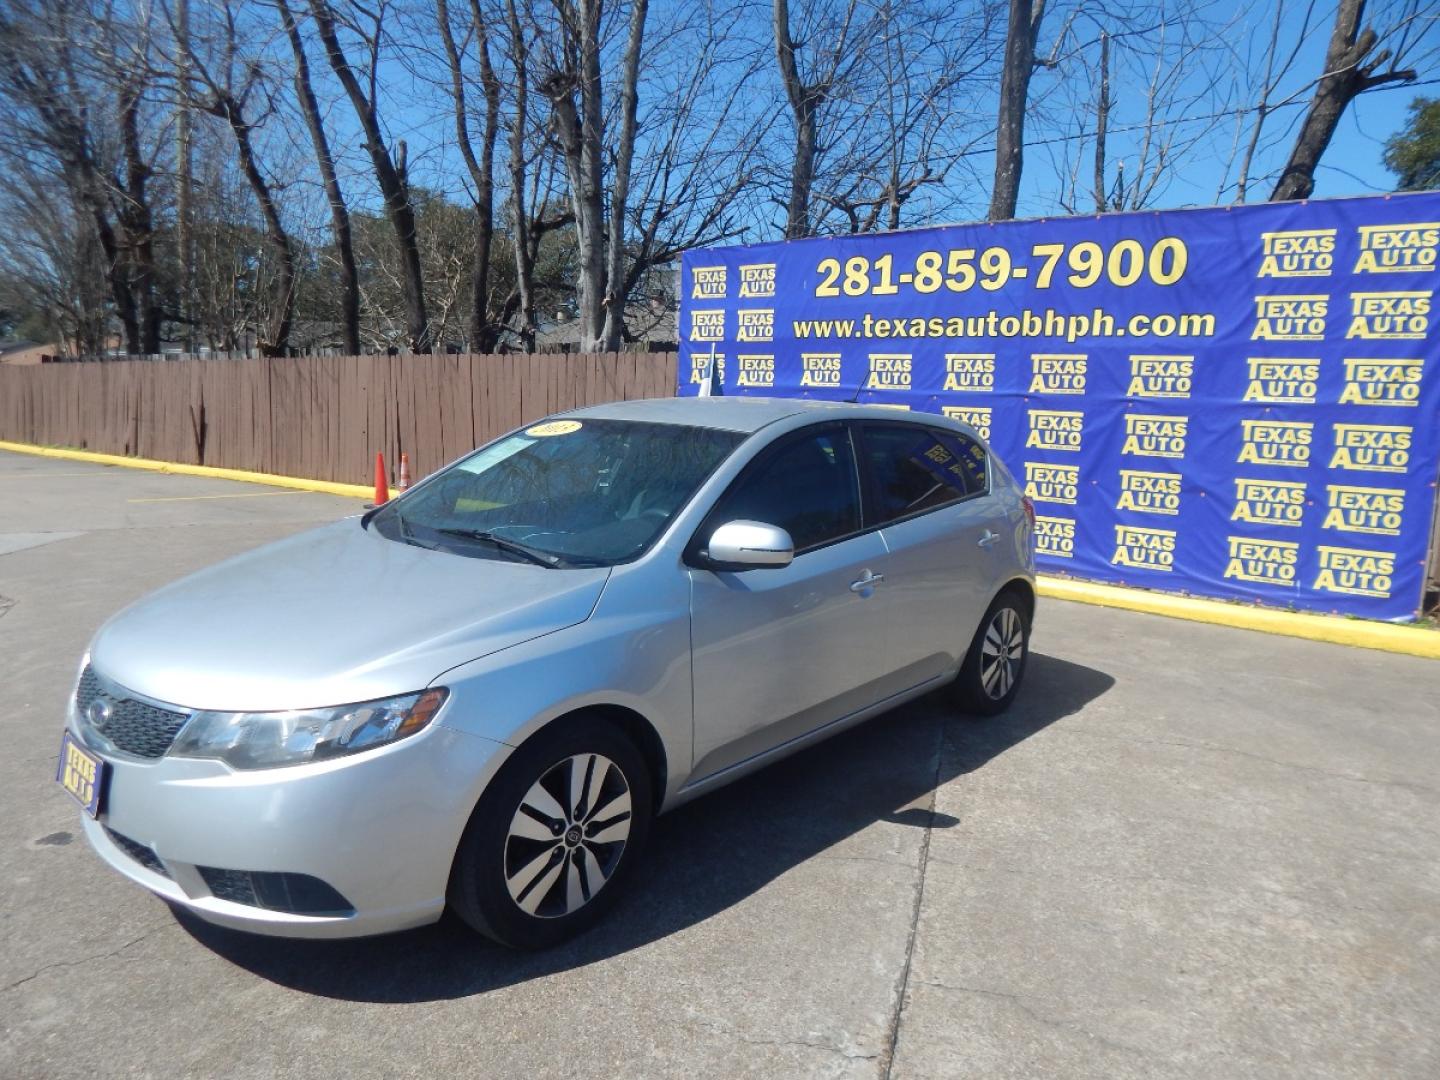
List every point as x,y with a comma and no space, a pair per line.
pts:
237,495
323,487
1361,633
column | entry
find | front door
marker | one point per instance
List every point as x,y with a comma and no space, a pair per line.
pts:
780,652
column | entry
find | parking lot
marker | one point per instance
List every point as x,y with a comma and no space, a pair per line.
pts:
1187,851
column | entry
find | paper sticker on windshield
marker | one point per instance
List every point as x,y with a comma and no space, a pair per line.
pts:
554,427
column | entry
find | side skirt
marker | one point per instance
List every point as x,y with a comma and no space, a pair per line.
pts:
693,789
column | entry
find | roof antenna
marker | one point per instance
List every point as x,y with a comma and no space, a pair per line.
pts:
854,398
712,385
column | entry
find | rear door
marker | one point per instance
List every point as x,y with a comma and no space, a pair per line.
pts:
780,652
929,491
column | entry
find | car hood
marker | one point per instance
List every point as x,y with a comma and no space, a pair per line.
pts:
332,616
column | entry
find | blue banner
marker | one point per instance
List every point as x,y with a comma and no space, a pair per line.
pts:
1233,402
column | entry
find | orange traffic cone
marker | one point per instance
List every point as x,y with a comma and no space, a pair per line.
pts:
404,472
382,485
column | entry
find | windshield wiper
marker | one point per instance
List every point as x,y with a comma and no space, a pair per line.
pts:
515,547
405,533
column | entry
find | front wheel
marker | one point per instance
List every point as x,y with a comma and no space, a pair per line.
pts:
554,836
991,674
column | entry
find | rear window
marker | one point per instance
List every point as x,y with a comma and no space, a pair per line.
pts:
915,469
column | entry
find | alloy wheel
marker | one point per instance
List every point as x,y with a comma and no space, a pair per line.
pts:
567,836
1001,653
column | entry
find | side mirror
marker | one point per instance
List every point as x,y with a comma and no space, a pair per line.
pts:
747,545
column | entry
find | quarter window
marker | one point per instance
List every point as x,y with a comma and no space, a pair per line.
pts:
808,488
916,468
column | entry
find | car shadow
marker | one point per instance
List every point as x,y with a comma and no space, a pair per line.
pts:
702,858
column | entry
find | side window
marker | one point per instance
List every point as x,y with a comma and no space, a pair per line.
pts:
808,488
917,469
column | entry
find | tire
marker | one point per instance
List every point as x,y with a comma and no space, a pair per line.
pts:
532,879
994,666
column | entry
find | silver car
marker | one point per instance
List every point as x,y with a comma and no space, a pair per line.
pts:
481,693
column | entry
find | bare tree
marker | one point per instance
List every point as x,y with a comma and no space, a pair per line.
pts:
613,330
575,87
184,190
702,148
52,265
121,55
232,268
390,171
1158,94
1265,76
226,85
918,112
488,89
1102,124
519,53
804,99
177,157
830,34
910,111
698,160
484,332
61,107
1352,66
136,220
334,196
575,71
1020,38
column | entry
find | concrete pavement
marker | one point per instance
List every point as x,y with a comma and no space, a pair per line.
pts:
1186,852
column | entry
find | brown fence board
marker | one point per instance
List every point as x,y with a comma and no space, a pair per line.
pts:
352,421
317,417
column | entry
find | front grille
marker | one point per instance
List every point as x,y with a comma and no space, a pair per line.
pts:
133,726
298,894
145,856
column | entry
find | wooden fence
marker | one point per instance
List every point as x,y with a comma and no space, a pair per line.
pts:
318,417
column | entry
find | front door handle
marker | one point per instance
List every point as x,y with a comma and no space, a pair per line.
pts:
988,539
865,582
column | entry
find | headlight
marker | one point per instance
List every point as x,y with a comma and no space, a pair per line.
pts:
261,740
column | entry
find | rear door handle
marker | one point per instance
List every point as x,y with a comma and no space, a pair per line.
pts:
866,582
988,539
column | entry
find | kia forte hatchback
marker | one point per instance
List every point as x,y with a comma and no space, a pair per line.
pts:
481,693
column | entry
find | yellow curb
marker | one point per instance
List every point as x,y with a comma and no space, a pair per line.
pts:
1361,633
323,487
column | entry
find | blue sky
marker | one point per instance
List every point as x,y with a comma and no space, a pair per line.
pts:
1351,166
417,109
1223,64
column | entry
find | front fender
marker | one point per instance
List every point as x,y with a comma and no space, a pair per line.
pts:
633,652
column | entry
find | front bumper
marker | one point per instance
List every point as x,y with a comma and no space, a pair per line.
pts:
381,828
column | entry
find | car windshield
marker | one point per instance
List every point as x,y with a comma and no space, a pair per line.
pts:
561,493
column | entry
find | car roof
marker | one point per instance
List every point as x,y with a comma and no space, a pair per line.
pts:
742,414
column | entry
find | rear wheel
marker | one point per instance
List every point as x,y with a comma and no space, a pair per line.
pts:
554,837
995,665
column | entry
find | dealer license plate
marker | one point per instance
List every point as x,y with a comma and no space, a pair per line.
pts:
82,774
